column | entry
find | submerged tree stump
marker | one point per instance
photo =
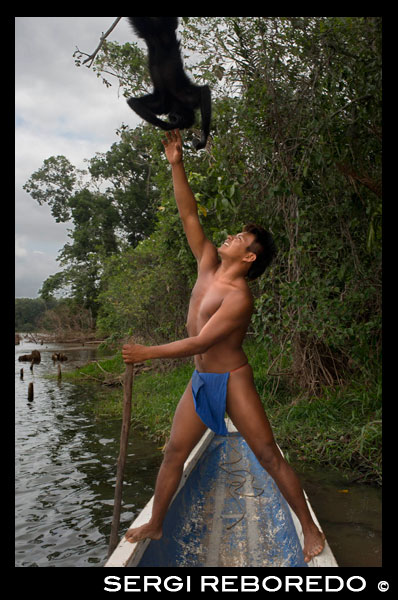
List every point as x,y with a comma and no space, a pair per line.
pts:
59,356
35,357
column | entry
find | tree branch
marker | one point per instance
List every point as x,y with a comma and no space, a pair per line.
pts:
101,42
371,184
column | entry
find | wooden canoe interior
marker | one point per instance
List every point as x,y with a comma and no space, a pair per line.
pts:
226,512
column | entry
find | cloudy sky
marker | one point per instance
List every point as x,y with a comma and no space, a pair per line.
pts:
60,110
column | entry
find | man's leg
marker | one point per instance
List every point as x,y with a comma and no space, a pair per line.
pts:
186,431
247,413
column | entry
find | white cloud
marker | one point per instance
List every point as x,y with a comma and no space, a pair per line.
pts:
60,110
20,251
30,272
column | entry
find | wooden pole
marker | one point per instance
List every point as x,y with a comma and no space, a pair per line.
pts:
30,392
121,461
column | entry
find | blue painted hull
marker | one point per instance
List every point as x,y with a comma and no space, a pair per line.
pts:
229,513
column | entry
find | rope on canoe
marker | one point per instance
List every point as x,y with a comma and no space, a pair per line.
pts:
235,485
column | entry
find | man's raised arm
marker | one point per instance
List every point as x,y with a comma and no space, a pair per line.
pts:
185,199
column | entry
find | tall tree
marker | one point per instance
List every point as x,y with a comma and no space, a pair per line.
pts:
123,213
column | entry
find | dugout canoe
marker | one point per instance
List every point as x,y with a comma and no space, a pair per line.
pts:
227,512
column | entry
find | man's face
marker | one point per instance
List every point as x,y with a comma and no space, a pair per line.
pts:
235,246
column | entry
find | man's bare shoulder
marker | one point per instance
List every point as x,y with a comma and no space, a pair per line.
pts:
240,297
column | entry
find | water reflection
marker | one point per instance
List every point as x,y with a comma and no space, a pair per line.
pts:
350,515
66,470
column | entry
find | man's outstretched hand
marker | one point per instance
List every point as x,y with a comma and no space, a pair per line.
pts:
173,146
134,353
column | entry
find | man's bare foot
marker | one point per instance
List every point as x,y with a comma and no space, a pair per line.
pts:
314,543
141,533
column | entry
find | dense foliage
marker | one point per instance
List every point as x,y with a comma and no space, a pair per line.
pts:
64,317
28,312
295,146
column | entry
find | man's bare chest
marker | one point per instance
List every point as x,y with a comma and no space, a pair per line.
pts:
206,299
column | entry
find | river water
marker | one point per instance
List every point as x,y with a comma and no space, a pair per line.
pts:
66,467
66,472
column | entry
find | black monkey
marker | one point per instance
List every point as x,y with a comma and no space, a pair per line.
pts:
173,94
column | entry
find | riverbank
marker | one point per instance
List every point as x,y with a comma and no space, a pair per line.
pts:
340,429
61,337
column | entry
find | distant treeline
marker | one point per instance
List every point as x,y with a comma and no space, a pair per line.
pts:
59,316
28,312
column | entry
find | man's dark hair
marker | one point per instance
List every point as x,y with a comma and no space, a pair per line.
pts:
263,247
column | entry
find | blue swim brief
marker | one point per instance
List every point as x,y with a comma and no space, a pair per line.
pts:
209,392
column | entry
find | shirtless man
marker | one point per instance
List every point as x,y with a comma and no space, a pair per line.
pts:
219,314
